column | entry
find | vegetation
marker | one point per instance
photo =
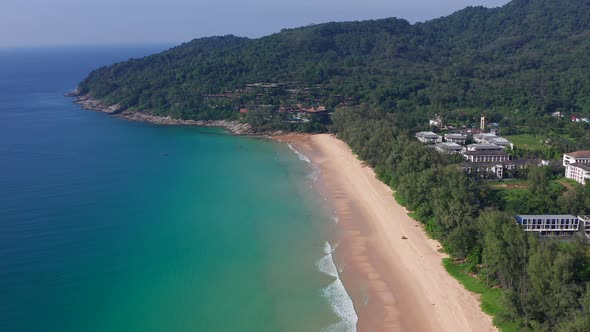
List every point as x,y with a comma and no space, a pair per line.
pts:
530,285
518,63
492,299
527,141
385,78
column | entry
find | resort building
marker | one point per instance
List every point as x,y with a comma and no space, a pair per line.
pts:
456,138
448,147
489,138
500,141
484,147
484,170
577,166
486,156
549,225
578,172
483,137
428,137
585,221
582,157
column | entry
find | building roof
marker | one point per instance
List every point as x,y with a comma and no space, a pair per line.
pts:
545,216
580,165
315,110
449,146
498,140
427,134
524,161
485,153
485,146
455,136
482,164
579,154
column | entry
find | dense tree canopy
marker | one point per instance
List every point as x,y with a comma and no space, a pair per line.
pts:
525,59
519,63
544,281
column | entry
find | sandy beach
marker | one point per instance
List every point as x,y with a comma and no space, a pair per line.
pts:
396,284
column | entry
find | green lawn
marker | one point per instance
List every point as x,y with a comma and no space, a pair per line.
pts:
491,298
526,141
509,184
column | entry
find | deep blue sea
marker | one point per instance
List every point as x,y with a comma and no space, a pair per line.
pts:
110,225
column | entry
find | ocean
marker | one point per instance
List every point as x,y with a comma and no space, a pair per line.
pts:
110,225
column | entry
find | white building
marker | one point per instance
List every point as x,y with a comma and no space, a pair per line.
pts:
549,225
484,169
582,157
486,156
448,147
489,138
578,172
586,222
577,166
482,138
428,137
456,138
484,147
500,141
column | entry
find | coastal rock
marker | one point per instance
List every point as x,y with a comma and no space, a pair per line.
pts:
234,127
90,103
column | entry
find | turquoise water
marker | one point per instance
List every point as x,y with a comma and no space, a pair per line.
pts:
109,225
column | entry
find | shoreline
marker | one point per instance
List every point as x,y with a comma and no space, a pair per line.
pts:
395,284
234,127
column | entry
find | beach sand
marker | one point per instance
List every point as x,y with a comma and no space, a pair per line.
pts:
396,284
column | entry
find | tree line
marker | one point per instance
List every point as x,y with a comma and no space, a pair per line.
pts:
545,282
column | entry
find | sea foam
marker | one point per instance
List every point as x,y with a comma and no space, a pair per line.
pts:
340,301
299,154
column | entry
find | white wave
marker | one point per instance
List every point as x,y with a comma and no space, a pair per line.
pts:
335,219
327,248
336,293
326,263
299,154
342,306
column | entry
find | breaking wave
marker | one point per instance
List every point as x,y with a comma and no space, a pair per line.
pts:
299,154
339,300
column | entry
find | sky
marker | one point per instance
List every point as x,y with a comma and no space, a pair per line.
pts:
89,22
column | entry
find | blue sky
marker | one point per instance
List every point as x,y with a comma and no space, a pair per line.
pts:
72,22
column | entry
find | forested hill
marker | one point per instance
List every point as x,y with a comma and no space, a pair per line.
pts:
529,55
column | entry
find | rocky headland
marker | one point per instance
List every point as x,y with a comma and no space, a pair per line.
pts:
234,127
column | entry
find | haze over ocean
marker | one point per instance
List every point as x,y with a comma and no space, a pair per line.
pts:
109,225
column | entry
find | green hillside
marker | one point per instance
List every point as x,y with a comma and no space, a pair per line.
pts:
525,58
